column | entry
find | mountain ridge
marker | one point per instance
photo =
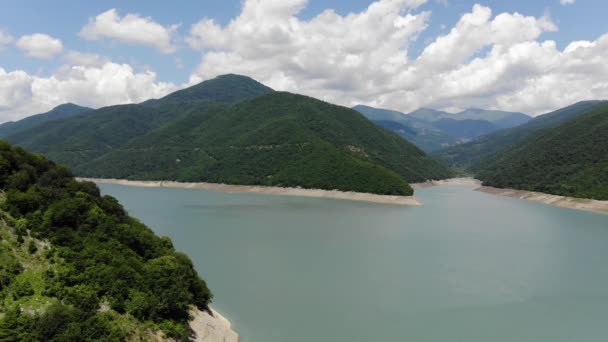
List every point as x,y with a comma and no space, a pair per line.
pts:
251,136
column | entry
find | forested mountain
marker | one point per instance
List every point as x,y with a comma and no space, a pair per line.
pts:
226,88
59,112
75,267
235,130
570,159
470,155
432,129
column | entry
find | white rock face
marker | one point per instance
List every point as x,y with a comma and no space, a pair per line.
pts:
214,328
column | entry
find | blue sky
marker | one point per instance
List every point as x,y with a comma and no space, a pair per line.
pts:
64,19
582,20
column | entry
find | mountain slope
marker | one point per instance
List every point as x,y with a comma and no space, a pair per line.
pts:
470,155
75,267
80,138
570,159
59,112
279,139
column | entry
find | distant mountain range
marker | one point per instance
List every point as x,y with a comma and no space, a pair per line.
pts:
432,129
234,130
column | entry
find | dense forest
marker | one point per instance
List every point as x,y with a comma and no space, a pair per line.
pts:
235,130
472,155
74,266
570,159
278,139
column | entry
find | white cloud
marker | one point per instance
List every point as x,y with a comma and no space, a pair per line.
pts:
329,56
132,28
22,94
567,2
5,38
85,59
40,45
485,60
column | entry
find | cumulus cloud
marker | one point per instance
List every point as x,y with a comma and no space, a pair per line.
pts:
40,45
486,60
132,28
327,56
5,38
85,59
22,94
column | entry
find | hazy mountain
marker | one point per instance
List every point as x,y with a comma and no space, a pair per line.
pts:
434,129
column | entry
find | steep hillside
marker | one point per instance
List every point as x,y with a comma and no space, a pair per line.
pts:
59,112
75,267
470,155
570,159
279,139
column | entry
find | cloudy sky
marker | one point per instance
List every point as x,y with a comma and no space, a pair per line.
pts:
519,55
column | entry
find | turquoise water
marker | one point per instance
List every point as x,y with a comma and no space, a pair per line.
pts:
465,266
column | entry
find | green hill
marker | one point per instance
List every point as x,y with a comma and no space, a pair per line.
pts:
234,130
59,112
279,139
472,154
80,138
570,159
75,267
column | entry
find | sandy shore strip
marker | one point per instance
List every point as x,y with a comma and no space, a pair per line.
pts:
450,181
269,190
560,201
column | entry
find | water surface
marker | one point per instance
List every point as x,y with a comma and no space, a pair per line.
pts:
466,266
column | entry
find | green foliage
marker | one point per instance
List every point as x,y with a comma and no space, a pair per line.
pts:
473,154
59,112
235,130
569,160
278,139
98,252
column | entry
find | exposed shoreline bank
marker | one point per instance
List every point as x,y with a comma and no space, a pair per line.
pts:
210,328
555,200
450,181
269,190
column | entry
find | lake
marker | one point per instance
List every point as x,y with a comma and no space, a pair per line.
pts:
466,266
